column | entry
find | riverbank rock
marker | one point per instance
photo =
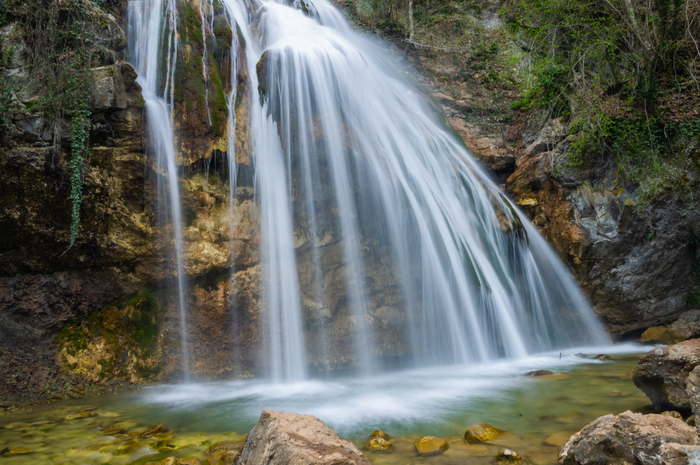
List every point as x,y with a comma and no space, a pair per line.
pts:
293,439
663,374
632,438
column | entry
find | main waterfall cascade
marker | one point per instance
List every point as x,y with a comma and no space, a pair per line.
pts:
430,255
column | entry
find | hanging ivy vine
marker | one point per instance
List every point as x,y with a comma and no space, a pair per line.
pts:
60,49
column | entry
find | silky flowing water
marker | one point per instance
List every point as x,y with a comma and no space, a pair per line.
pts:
409,404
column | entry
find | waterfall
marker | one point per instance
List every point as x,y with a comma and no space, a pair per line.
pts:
347,146
377,226
151,24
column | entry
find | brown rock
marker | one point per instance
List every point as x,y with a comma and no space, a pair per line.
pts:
631,438
430,445
539,373
290,438
528,177
663,374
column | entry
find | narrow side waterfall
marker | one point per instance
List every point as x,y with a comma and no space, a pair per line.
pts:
382,241
152,26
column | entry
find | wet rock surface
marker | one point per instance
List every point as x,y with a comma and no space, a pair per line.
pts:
663,374
294,439
632,438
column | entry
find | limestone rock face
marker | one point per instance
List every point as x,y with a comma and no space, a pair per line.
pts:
281,438
688,325
663,374
632,438
634,267
693,390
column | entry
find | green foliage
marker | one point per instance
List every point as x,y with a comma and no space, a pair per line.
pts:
612,67
60,52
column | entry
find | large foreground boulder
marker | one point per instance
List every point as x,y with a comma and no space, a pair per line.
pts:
663,374
632,438
281,438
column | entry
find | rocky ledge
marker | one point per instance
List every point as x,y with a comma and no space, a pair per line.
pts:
663,375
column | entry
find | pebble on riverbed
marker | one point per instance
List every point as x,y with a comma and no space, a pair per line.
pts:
508,456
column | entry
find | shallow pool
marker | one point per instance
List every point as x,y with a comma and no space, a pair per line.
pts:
538,412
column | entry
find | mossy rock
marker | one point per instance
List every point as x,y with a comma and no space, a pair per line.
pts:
661,335
482,432
380,445
603,357
431,445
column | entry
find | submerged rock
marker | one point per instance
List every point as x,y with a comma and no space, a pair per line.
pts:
20,451
508,456
482,432
663,374
377,433
81,415
631,438
160,428
290,438
556,440
224,446
380,445
539,373
430,445
603,357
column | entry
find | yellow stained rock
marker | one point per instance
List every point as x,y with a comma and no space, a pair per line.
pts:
380,445
661,335
20,450
377,433
482,432
112,430
78,416
431,445
673,414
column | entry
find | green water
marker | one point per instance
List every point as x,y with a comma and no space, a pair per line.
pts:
532,410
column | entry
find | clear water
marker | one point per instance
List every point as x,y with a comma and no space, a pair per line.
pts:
440,401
